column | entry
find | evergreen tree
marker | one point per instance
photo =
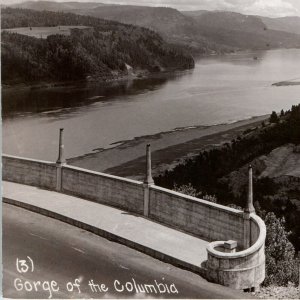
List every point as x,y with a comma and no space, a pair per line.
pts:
274,117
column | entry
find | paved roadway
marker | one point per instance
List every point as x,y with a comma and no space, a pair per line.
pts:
64,253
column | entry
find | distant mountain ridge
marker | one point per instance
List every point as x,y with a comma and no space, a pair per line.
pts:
243,31
230,21
168,22
56,6
288,24
201,32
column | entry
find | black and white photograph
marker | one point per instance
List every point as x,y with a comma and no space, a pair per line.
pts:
150,149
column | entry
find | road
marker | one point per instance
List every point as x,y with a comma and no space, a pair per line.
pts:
62,253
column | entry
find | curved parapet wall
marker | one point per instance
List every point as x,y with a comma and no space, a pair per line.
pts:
207,220
213,222
199,217
243,269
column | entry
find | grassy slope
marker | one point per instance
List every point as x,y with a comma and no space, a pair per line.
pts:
223,171
44,32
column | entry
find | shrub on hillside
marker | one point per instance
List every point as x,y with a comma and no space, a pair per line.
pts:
188,189
281,265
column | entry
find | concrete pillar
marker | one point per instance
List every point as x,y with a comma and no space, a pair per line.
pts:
61,156
61,161
249,208
148,181
148,178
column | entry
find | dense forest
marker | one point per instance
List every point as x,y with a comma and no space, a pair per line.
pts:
106,49
209,173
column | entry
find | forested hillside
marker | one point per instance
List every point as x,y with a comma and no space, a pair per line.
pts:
222,172
107,49
171,24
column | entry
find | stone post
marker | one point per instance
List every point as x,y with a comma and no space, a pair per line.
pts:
61,161
248,210
148,178
61,157
148,181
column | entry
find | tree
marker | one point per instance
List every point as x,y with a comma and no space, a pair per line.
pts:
281,266
274,117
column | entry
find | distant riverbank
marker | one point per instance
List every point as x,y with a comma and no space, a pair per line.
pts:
140,74
56,84
170,148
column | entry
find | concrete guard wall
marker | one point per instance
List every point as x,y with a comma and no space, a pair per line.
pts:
99,187
241,270
199,217
103,188
27,171
210,221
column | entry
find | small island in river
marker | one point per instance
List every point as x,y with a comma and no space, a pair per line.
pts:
287,83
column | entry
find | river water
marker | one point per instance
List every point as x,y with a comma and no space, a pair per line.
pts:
221,89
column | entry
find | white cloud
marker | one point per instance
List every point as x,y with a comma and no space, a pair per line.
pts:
272,7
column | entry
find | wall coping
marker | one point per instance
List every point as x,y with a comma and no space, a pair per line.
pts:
75,168
198,200
135,182
254,248
131,181
28,159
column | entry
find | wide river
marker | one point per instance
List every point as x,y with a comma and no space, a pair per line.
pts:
220,89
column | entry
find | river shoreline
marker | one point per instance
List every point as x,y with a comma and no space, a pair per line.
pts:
141,74
170,148
106,80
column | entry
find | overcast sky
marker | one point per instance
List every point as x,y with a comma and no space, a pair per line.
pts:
260,7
